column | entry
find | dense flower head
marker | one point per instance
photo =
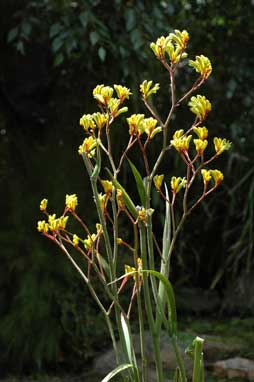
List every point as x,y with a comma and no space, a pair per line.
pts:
43,204
75,239
180,38
148,125
221,145
181,144
135,123
202,65
100,119
147,88
200,145
201,132
71,202
113,105
144,213
206,176
122,92
200,106
42,226
102,94
157,180
89,241
55,224
177,183
88,147
217,176
87,122
128,269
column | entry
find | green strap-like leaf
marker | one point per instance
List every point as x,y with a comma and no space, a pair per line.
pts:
139,183
117,370
170,299
127,200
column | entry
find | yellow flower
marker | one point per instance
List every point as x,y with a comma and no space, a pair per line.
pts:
99,228
100,119
147,89
88,147
120,199
200,145
53,223
102,200
88,243
143,213
159,47
201,132
43,204
122,92
129,269
135,123
157,180
177,183
113,105
178,134
75,239
200,106
181,144
119,241
87,122
206,174
107,186
148,126
180,38
71,201
42,226
221,145
102,94
202,65
217,176
62,221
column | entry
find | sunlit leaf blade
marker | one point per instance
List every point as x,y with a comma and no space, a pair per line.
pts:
139,183
116,371
127,338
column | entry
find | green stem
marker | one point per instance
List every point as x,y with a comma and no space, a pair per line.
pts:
140,312
148,305
198,362
179,359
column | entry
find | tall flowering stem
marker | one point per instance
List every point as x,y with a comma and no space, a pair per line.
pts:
101,247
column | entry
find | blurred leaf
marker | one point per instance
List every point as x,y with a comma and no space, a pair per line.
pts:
94,38
57,43
102,53
12,35
55,29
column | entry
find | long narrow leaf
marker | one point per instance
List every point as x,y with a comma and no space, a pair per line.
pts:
127,338
116,371
170,298
139,182
127,199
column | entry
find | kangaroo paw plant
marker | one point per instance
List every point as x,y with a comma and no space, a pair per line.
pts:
148,271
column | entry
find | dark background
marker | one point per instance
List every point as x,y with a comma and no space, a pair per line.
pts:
53,53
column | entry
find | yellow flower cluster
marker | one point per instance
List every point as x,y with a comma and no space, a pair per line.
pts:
104,96
88,147
221,145
202,65
200,145
177,183
71,202
53,224
138,125
201,132
128,269
43,204
200,106
209,174
144,213
181,144
157,180
147,88
174,45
